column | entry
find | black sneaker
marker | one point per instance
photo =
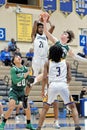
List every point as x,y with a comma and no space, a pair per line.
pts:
78,128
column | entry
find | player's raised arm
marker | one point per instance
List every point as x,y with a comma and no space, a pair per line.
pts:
52,27
34,30
48,34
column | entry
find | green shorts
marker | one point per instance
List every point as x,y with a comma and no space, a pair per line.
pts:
16,95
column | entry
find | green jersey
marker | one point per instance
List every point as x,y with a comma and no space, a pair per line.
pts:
64,47
17,77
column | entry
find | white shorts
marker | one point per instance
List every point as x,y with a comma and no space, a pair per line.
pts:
38,65
55,89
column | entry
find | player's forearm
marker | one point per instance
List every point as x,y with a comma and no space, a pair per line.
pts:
52,27
69,78
17,79
79,58
49,35
34,30
44,81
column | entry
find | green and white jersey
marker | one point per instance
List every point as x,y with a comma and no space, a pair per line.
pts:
17,78
64,47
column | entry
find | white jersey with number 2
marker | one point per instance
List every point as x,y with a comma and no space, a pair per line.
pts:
40,46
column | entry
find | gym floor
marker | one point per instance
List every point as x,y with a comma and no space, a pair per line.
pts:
66,124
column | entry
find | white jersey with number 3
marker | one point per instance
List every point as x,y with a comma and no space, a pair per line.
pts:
40,46
57,71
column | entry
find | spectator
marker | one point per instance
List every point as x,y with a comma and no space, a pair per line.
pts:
30,54
83,92
6,57
17,52
12,45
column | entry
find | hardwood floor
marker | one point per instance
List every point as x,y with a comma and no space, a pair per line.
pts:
66,124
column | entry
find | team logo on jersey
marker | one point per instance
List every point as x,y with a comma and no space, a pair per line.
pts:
43,38
20,74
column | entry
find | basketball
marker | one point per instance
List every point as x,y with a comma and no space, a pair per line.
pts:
44,14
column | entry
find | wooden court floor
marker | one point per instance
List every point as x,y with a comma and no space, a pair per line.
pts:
66,124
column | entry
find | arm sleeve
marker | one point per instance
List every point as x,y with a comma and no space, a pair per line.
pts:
14,76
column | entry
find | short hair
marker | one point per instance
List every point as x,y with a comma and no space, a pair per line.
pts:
71,35
39,24
55,53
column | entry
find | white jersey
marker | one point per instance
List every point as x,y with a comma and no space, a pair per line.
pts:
57,71
40,46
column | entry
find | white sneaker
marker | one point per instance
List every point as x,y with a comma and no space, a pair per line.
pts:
17,119
56,124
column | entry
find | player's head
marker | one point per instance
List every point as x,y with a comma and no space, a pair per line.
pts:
55,53
40,28
67,36
16,59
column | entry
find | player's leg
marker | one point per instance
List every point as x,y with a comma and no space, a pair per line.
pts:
51,97
28,113
12,103
11,107
66,98
42,115
36,66
75,115
27,90
56,109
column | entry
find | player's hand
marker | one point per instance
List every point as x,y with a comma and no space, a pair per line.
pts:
26,74
42,94
45,18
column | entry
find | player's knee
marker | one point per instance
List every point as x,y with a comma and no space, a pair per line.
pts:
11,105
55,103
72,106
46,106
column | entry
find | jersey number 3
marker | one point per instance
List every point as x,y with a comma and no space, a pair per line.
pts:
58,70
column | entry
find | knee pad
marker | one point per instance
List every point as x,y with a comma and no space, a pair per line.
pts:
25,102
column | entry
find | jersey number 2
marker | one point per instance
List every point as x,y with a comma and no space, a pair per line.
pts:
41,44
21,83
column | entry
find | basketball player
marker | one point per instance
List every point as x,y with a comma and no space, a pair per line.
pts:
40,55
40,46
66,38
56,70
19,74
